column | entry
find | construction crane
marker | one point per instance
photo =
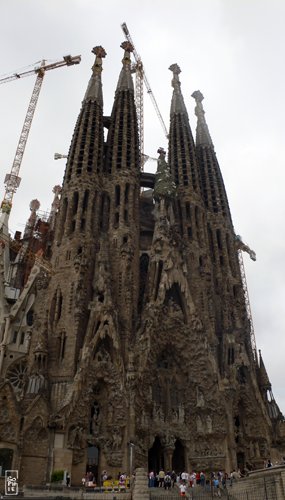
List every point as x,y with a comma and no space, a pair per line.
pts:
140,78
242,247
12,180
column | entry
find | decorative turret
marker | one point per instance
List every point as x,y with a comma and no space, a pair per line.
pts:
34,206
164,186
55,205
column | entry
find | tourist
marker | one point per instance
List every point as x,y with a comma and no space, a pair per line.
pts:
183,489
202,479
173,478
167,481
67,480
235,475
193,479
151,479
216,485
104,477
185,477
122,480
198,478
269,463
161,476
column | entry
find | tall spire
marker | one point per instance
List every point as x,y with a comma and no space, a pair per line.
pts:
122,141
94,89
202,131
182,156
212,183
85,156
177,103
125,81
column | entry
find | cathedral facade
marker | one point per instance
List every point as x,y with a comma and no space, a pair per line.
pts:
128,343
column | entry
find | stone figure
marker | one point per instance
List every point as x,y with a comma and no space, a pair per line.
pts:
199,424
209,424
200,399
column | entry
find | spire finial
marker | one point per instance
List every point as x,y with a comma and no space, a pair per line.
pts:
100,53
176,71
177,104
203,134
162,153
125,79
128,48
94,89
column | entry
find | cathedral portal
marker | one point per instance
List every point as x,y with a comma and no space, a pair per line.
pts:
156,456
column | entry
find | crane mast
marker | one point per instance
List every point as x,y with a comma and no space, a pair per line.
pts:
12,180
140,78
242,247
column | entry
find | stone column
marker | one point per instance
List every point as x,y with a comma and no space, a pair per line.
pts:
168,454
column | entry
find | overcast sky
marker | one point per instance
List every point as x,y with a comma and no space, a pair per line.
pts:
231,50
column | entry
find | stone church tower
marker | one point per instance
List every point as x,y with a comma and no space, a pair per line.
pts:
130,343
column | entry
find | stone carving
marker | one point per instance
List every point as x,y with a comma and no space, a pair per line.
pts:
117,438
76,438
208,450
168,441
196,323
96,419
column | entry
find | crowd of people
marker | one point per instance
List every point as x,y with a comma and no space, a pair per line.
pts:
121,480
215,481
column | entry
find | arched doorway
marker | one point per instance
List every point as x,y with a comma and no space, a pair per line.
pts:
155,456
178,457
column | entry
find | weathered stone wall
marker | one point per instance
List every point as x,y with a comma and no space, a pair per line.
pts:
271,481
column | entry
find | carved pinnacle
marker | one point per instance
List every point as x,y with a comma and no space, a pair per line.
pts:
99,51
161,152
127,46
198,96
175,69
